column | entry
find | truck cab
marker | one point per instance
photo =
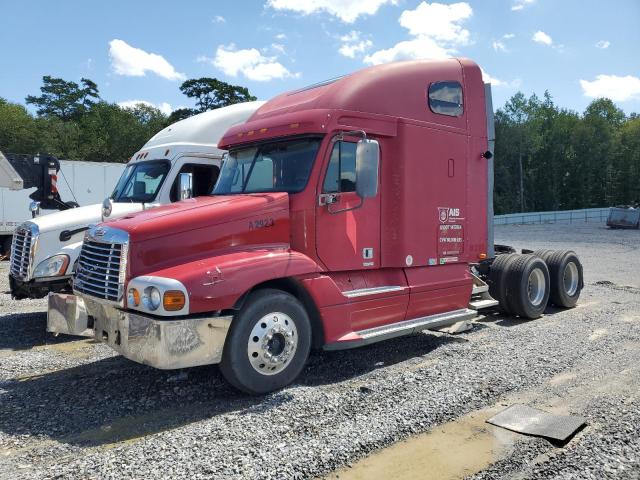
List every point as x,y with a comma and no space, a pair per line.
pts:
45,249
346,213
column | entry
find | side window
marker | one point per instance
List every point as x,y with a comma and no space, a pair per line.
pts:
341,173
204,178
445,98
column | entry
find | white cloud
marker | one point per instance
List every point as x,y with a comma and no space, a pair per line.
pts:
542,38
603,44
346,10
618,89
492,80
499,46
520,4
353,44
164,107
219,19
496,82
436,29
278,47
135,62
248,62
438,21
421,47
281,36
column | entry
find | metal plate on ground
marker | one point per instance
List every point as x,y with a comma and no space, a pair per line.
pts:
531,421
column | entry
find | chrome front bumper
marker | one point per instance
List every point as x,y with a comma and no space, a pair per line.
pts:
67,314
164,344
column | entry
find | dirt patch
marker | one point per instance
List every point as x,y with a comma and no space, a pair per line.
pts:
452,450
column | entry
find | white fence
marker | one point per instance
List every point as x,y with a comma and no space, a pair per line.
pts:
561,216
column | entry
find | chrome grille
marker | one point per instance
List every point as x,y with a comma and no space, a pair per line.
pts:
21,248
98,272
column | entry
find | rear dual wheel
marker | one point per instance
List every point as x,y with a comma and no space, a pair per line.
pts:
566,276
520,283
528,286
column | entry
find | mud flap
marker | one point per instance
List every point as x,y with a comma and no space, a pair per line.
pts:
67,314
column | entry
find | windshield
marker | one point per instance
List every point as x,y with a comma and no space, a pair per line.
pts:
272,167
140,182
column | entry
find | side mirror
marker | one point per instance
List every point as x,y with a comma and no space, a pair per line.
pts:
367,165
34,208
186,185
107,207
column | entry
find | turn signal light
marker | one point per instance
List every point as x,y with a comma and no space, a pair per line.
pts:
134,297
173,300
482,256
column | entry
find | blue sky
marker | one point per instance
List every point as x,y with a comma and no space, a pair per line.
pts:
142,50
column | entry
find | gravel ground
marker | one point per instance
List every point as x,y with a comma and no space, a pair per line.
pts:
72,408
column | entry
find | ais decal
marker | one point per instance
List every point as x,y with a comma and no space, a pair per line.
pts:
449,214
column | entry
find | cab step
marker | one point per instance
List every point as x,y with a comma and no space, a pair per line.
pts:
480,297
482,303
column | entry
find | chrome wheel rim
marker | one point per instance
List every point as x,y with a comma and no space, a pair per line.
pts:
536,287
570,279
272,343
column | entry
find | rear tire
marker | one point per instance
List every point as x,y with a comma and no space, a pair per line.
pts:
268,342
565,271
498,280
528,286
543,254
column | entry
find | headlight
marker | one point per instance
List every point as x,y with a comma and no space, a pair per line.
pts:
152,298
52,266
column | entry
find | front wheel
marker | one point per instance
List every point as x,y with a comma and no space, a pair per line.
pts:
268,343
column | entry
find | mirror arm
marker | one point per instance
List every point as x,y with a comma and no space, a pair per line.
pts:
332,212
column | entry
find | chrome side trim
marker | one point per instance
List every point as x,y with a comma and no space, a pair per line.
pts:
406,327
361,292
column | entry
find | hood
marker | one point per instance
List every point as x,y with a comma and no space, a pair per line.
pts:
202,227
198,213
81,216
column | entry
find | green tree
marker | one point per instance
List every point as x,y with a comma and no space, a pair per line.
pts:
211,93
64,100
109,133
18,130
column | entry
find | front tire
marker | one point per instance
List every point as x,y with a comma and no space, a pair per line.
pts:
268,343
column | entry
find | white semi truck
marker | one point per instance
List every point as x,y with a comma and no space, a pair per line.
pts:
45,249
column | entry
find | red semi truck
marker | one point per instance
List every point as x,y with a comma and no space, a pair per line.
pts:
348,212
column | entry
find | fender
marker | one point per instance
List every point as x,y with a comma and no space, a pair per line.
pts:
217,282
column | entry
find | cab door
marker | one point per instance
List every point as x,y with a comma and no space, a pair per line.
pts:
347,227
